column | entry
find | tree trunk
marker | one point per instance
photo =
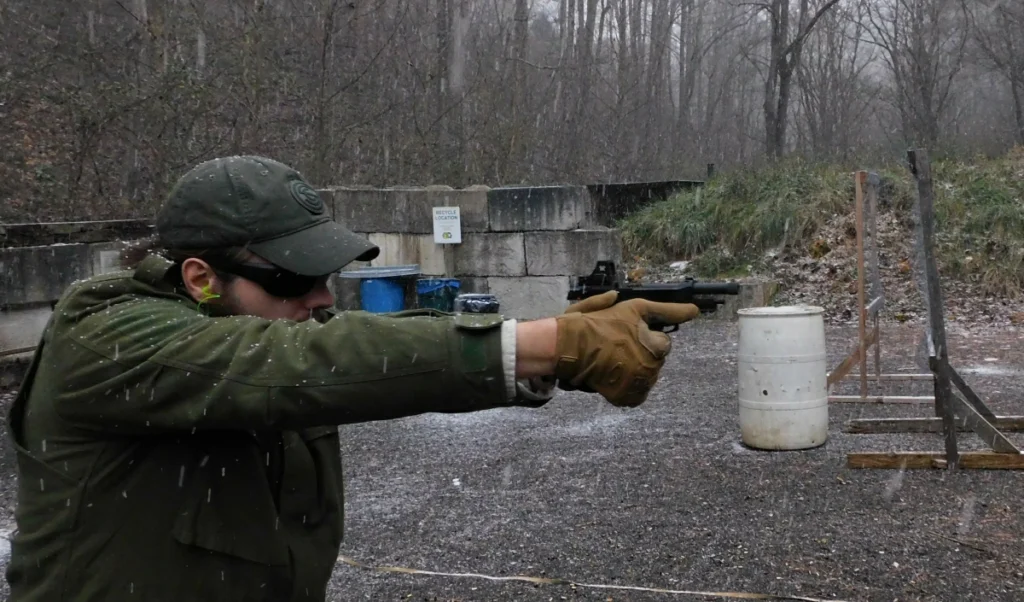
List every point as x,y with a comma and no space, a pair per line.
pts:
520,37
778,141
623,72
785,58
323,147
778,64
576,158
1018,107
444,21
457,86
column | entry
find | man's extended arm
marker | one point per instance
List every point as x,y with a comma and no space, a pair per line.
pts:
132,363
142,366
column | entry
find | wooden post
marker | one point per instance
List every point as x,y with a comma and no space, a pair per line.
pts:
953,412
861,301
920,166
877,296
870,301
878,350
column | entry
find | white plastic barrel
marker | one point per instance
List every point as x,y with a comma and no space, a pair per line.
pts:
783,393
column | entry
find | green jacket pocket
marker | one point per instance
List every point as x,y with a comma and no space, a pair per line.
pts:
222,513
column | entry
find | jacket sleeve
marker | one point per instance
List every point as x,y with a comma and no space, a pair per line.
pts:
144,365
531,392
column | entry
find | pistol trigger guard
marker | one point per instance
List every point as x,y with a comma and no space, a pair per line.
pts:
661,327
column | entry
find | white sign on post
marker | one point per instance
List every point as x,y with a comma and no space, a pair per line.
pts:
447,225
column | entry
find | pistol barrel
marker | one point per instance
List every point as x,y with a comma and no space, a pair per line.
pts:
716,288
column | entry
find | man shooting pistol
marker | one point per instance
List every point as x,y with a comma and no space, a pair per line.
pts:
176,435
604,279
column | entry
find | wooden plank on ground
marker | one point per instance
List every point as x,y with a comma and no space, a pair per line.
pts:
917,460
880,399
897,377
876,426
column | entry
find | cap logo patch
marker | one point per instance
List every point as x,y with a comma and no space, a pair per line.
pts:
305,196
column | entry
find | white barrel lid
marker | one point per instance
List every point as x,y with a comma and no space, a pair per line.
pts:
782,310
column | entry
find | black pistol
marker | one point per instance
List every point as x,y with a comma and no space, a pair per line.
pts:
705,295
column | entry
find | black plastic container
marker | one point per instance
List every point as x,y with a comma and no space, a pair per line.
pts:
477,303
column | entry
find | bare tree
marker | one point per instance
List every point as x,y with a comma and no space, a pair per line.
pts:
834,94
923,44
998,31
105,103
785,48
579,110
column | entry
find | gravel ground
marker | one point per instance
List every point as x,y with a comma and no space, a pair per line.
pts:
667,496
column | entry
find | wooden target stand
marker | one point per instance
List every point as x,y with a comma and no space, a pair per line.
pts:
868,337
954,413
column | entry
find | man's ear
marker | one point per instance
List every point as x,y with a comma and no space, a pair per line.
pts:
200,280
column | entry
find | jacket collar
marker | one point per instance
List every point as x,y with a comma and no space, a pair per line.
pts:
153,270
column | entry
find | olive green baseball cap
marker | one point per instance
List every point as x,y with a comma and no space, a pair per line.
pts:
262,205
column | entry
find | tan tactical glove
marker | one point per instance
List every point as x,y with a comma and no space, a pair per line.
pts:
590,304
608,348
595,303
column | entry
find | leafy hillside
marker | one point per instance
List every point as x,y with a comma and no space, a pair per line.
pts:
795,222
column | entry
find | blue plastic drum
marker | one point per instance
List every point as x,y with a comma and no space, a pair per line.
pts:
382,295
382,289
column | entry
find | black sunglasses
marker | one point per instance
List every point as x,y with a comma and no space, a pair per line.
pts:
276,281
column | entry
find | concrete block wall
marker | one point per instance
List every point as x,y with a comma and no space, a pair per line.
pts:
614,201
522,244
39,275
33,278
519,243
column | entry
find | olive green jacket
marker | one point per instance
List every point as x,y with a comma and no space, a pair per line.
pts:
167,455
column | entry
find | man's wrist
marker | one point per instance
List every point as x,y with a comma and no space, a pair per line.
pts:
536,343
508,355
534,390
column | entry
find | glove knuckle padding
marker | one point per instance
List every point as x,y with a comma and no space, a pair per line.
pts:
612,351
657,343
